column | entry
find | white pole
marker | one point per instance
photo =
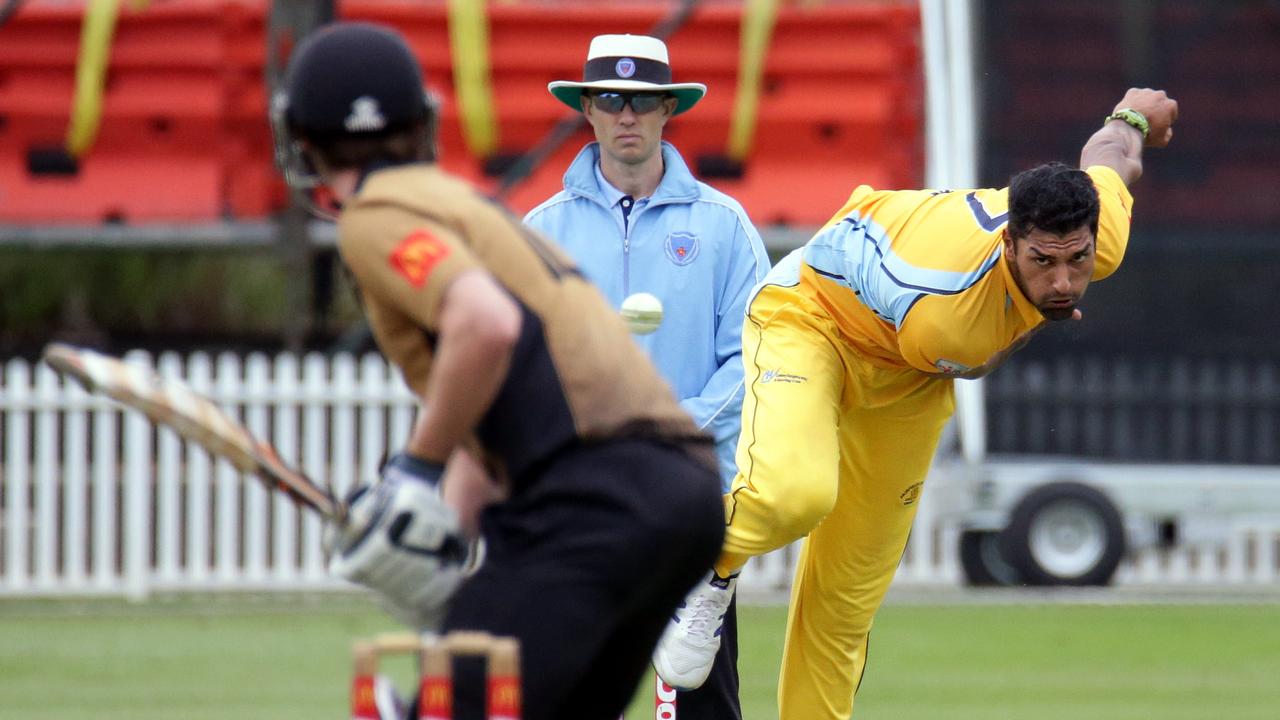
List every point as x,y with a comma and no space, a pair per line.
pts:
963,144
952,157
963,140
937,94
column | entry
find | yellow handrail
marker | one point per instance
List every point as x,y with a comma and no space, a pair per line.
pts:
469,46
91,70
758,19
96,33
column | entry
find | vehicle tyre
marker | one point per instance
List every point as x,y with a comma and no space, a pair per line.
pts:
1064,533
983,562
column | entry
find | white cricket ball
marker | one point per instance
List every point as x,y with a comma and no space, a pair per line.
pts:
643,313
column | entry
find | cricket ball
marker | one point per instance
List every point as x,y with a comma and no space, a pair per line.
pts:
643,313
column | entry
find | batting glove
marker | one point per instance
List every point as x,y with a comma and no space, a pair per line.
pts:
403,542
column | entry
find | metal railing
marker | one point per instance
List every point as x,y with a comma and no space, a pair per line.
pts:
1151,410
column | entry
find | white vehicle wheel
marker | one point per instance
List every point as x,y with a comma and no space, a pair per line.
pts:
1067,539
1064,534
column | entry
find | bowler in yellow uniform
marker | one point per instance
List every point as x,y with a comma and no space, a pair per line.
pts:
851,346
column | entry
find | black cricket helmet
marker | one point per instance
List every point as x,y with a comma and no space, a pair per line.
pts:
346,80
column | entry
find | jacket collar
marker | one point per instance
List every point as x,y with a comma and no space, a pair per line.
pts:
677,185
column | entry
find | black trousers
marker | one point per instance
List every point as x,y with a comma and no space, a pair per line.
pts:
717,699
585,565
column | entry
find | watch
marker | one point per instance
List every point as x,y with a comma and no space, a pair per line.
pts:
1133,118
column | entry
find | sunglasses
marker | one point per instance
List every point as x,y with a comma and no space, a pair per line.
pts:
641,103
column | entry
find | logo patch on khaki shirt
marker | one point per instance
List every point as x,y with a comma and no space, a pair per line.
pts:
417,255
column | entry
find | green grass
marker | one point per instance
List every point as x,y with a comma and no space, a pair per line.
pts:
257,657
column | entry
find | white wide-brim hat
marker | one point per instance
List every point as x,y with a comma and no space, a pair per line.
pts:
627,63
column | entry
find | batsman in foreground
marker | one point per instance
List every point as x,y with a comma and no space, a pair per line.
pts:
530,387
851,346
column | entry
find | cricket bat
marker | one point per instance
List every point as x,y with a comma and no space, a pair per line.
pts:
192,416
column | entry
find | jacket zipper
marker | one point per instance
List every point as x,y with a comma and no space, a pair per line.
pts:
627,223
626,260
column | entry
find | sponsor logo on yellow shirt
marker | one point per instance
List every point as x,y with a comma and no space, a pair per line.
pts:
778,376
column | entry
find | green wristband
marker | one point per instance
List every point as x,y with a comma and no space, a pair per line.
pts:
1133,118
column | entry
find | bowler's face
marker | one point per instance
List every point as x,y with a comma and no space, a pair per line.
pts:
628,137
1052,271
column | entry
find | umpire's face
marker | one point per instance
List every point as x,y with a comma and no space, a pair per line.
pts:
1052,271
627,135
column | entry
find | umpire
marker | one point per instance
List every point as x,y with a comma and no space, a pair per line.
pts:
524,372
636,220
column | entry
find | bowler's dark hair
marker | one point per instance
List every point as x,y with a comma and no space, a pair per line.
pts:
1053,197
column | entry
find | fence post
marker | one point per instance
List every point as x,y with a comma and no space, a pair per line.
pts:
199,482
17,470
315,432
75,448
257,392
106,477
46,476
342,441
1264,570
228,386
137,498
168,490
373,426
285,439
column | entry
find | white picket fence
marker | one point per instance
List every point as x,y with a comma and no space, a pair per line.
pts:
94,500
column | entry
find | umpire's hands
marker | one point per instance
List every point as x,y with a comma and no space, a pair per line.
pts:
1159,109
402,541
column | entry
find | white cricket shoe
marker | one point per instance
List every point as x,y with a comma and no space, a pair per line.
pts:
689,645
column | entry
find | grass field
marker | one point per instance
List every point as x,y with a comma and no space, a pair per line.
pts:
237,657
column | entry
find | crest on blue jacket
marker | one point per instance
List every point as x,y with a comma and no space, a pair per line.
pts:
682,247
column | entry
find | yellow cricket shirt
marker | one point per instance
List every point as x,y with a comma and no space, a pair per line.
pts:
916,278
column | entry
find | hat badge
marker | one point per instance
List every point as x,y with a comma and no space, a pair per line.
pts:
366,116
626,67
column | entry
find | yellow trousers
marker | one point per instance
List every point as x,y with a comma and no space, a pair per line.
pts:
837,449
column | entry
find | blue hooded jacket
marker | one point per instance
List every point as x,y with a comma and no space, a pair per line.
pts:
695,249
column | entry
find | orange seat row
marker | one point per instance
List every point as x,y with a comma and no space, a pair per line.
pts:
184,134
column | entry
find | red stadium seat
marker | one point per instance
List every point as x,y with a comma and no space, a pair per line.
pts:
184,134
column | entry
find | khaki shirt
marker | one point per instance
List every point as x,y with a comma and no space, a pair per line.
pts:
576,374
